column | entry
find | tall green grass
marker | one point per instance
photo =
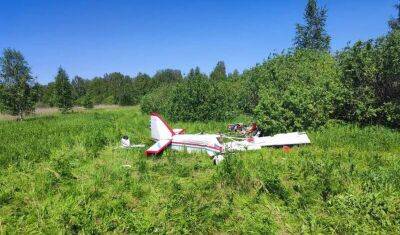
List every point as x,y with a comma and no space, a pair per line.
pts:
63,173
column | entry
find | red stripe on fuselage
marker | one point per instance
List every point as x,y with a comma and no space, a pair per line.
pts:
198,145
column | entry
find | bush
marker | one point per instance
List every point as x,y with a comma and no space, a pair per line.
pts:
126,98
158,100
298,91
109,100
371,75
202,99
87,101
195,99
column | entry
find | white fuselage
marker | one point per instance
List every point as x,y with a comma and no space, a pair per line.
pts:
197,143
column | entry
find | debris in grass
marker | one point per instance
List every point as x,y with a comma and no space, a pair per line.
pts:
126,143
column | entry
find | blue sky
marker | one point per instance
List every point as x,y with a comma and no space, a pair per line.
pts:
91,38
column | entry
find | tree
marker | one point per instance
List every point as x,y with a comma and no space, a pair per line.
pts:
1,100
196,74
78,87
15,77
142,84
167,76
37,92
234,75
49,94
371,76
293,94
219,71
87,101
119,88
394,24
99,89
313,34
63,91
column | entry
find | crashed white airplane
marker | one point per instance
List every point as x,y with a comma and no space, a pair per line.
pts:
165,136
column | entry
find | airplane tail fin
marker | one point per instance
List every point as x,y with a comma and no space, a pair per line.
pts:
160,130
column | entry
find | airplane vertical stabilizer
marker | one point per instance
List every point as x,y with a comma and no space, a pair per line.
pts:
160,130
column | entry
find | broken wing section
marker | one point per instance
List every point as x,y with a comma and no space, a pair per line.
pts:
295,138
158,147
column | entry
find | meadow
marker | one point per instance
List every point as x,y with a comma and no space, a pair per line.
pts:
66,173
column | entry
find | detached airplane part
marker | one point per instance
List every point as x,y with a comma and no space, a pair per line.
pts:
255,143
165,136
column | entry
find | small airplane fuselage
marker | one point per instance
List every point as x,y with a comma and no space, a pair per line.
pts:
165,136
197,143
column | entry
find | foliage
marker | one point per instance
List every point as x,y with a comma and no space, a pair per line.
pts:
120,88
195,74
298,91
196,98
16,80
250,89
234,75
63,91
2,108
143,84
313,34
79,87
219,71
65,174
113,88
159,100
87,101
371,74
167,76
201,99
48,96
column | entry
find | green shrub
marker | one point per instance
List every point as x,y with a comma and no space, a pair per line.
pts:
87,101
109,100
158,101
298,91
202,99
126,98
371,75
248,91
195,99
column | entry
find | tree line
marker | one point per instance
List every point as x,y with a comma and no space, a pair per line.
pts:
20,93
301,88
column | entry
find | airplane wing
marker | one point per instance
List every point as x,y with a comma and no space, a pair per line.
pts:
295,138
158,147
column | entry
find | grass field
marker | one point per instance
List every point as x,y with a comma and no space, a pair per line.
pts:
64,173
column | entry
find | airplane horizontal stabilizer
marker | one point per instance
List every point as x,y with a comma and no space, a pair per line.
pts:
158,147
